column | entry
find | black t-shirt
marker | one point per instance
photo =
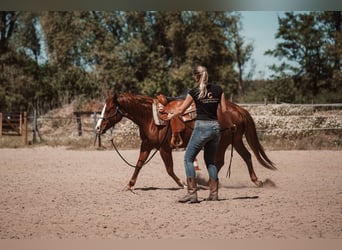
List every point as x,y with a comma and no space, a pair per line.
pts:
207,106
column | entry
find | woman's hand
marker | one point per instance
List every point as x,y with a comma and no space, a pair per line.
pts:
180,109
170,116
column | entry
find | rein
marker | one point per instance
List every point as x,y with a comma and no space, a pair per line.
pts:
129,164
117,151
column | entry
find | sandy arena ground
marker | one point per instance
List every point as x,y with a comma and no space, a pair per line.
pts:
56,193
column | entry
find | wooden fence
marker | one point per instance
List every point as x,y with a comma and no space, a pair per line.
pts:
14,123
270,119
78,115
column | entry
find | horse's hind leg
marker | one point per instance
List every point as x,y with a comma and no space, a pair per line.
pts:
167,158
246,156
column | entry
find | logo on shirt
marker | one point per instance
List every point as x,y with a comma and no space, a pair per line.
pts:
210,98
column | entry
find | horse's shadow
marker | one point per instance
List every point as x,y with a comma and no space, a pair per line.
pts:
157,188
203,188
200,187
235,198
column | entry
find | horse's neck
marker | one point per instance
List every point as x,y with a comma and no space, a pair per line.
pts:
138,110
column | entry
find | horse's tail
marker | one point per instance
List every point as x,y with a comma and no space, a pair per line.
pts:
254,143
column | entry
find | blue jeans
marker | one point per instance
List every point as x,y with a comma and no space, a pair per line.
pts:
206,135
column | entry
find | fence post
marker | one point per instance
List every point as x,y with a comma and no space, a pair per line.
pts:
0,125
25,128
95,122
79,123
21,124
34,139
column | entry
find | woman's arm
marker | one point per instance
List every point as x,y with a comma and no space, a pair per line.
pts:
223,104
180,110
225,114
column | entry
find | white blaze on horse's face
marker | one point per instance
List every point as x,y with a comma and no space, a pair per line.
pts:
99,121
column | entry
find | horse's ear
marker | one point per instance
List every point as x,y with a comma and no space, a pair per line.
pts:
109,94
115,95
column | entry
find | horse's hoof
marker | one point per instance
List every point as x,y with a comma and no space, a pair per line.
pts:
259,184
181,184
128,188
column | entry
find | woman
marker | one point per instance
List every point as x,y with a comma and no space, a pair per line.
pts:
206,134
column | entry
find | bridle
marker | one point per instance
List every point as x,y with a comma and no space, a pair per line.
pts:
102,118
117,110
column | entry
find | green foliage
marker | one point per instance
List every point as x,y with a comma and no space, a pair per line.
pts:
50,58
71,54
311,43
279,90
241,52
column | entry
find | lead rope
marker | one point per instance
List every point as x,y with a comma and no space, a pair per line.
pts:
149,159
231,156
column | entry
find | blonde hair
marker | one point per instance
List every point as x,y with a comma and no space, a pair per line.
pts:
202,72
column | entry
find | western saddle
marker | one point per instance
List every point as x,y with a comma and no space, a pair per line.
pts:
163,107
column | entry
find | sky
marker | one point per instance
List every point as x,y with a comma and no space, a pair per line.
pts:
260,27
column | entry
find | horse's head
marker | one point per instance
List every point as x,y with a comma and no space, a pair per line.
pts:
110,115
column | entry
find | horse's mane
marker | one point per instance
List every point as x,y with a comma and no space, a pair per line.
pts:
136,103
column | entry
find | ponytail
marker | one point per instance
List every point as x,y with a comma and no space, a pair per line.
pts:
202,72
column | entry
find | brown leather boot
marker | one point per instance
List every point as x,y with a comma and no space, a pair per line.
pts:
191,196
213,190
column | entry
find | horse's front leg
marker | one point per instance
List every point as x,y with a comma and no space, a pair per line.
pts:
144,153
166,155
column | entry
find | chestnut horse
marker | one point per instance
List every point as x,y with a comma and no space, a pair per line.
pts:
138,108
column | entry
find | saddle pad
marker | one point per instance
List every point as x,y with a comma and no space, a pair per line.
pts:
157,120
190,113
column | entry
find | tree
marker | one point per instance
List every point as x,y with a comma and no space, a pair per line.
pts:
7,26
66,37
242,52
27,38
202,38
16,83
305,42
332,21
85,53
